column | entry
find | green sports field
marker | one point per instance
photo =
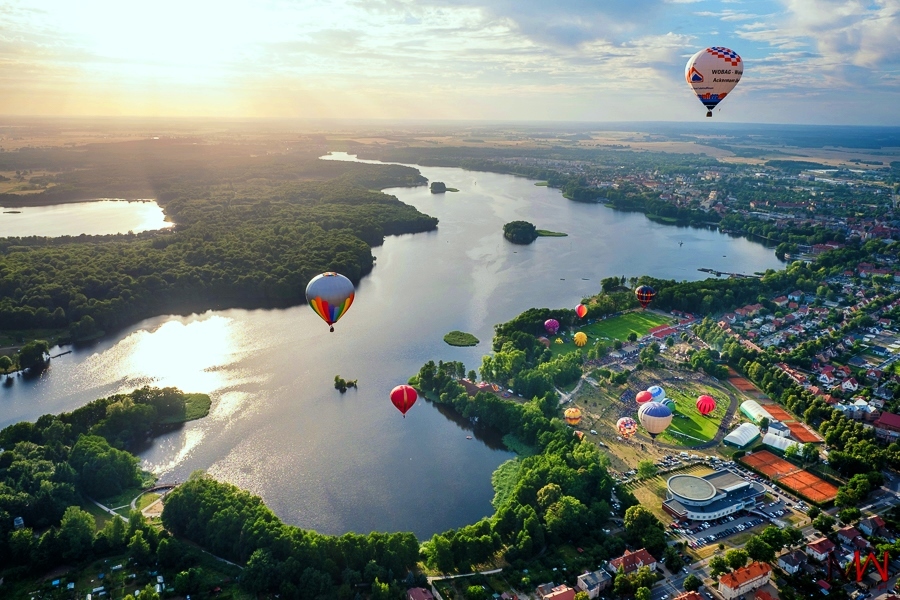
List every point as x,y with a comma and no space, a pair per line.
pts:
609,330
688,421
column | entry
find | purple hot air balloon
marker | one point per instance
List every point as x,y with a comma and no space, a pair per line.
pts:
552,326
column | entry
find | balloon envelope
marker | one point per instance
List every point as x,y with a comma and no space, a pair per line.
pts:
573,416
670,403
403,397
580,339
643,396
706,404
657,392
712,73
552,326
581,310
330,295
645,295
627,427
655,417
544,341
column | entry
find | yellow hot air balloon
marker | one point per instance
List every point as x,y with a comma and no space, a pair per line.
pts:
580,339
573,416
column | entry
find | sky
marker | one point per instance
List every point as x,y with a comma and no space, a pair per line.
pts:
805,61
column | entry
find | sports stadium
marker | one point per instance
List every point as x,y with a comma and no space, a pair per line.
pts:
709,497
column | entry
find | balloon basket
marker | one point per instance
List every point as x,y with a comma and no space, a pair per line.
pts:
331,329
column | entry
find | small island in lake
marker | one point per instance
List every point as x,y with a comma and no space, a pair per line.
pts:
460,338
342,385
523,232
439,187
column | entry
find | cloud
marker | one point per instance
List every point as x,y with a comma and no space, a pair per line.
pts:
562,22
729,15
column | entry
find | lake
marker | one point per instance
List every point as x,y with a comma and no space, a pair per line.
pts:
97,217
350,462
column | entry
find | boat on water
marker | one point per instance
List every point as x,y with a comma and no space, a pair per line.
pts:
468,437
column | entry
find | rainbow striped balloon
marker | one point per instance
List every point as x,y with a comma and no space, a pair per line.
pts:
330,296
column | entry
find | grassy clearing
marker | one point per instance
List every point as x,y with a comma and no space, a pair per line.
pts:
542,183
607,330
101,517
460,338
548,233
688,421
618,328
504,480
146,500
196,406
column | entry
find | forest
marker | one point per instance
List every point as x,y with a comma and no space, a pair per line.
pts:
49,466
250,231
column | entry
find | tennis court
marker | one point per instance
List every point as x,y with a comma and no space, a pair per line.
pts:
807,484
790,476
778,413
803,433
768,464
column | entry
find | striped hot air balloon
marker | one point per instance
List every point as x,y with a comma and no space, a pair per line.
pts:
573,416
655,417
330,296
403,397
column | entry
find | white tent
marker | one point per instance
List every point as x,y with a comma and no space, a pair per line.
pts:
776,441
743,435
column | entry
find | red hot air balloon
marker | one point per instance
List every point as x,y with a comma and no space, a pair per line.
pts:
403,397
643,396
705,405
645,295
581,311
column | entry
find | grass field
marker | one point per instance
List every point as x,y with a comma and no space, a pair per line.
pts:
688,421
651,492
100,515
609,330
196,406
146,500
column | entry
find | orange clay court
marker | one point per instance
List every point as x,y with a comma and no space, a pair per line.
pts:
792,477
802,433
742,384
779,413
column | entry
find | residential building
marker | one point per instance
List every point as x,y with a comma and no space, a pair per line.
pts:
632,561
745,579
593,583
887,427
872,526
418,593
820,549
792,561
846,535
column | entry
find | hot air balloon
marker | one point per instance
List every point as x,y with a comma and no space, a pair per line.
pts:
627,427
580,339
544,341
669,403
581,311
573,416
645,295
552,326
657,393
712,73
705,405
330,296
655,417
403,397
643,396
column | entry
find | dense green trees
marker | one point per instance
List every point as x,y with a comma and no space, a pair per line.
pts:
250,232
280,558
560,494
520,232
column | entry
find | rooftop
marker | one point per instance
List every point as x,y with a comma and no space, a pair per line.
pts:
744,575
691,487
